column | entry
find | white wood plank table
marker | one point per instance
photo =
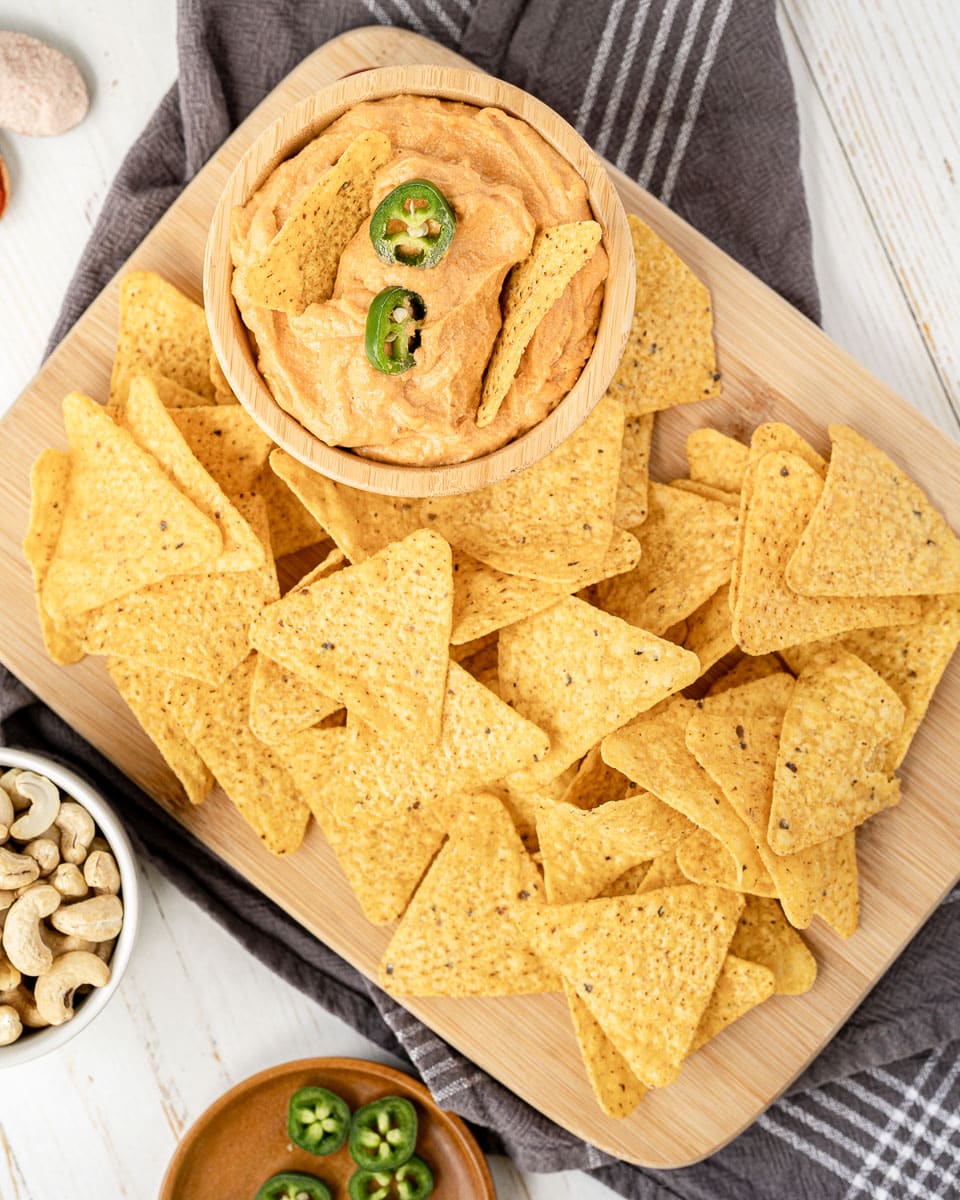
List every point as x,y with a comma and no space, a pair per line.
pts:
877,94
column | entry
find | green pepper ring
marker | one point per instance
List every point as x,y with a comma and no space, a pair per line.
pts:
383,1135
415,214
318,1120
294,1184
393,327
412,1180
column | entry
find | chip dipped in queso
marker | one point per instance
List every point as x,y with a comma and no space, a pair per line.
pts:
423,280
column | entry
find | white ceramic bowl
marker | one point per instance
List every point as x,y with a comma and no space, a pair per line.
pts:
33,1043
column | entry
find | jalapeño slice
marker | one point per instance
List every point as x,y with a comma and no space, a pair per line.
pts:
393,329
413,225
293,1185
383,1134
413,1180
318,1120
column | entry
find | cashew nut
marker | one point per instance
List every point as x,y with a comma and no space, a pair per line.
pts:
6,814
97,919
20,999
102,873
16,869
10,1024
105,950
44,800
21,933
9,975
69,881
76,831
63,943
7,779
46,853
99,843
6,899
54,990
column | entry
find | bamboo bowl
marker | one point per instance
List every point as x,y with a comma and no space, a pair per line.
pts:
232,342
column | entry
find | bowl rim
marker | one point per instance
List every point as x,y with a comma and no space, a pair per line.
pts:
35,1043
285,137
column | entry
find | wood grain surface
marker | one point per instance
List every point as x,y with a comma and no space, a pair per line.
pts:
775,364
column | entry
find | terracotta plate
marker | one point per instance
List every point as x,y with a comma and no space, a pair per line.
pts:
241,1140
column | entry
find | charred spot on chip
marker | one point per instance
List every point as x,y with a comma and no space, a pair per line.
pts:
791,767
784,824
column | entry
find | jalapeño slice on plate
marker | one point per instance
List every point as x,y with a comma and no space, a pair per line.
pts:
393,329
413,1180
413,225
383,1134
318,1120
293,1185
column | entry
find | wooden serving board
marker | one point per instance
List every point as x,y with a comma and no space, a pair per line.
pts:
776,365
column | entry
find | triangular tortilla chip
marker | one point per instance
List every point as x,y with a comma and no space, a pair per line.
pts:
667,946
49,478
716,459
631,505
292,527
710,630
686,548
374,636
707,491
740,986
459,935
652,752
873,532
669,357
553,521
361,523
228,442
630,883
580,673
705,860
585,851
747,670
765,936
617,1089
595,783
161,332
299,267
663,872
171,393
531,290
125,524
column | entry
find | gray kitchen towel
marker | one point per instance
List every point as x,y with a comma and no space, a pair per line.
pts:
693,99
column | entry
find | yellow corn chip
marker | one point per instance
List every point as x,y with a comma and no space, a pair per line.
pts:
584,852
707,491
709,630
361,523
764,936
484,648
292,527
374,636
686,548
193,625
631,882
485,599
580,673
531,290
553,521
716,459
617,1089
768,614
221,387
49,478
663,872
125,524
230,445
873,532
459,935
152,427
705,860
161,332
594,783
667,946
669,358
747,670
740,986
677,633
652,752
171,393
837,732
147,693
631,505
299,267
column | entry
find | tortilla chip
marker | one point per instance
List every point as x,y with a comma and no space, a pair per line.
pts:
594,783
747,670
768,614
459,935
584,852
630,883
171,393
299,267
194,625
667,946
532,288
740,986
710,630
485,599
716,459
707,492
663,872
292,527
361,523
553,521
125,524
580,673
162,332
631,505
705,860
152,427
652,752
669,358
686,548
873,532
374,636
230,445
146,692
764,936
836,737
677,633
221,386
49,480
617,1089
